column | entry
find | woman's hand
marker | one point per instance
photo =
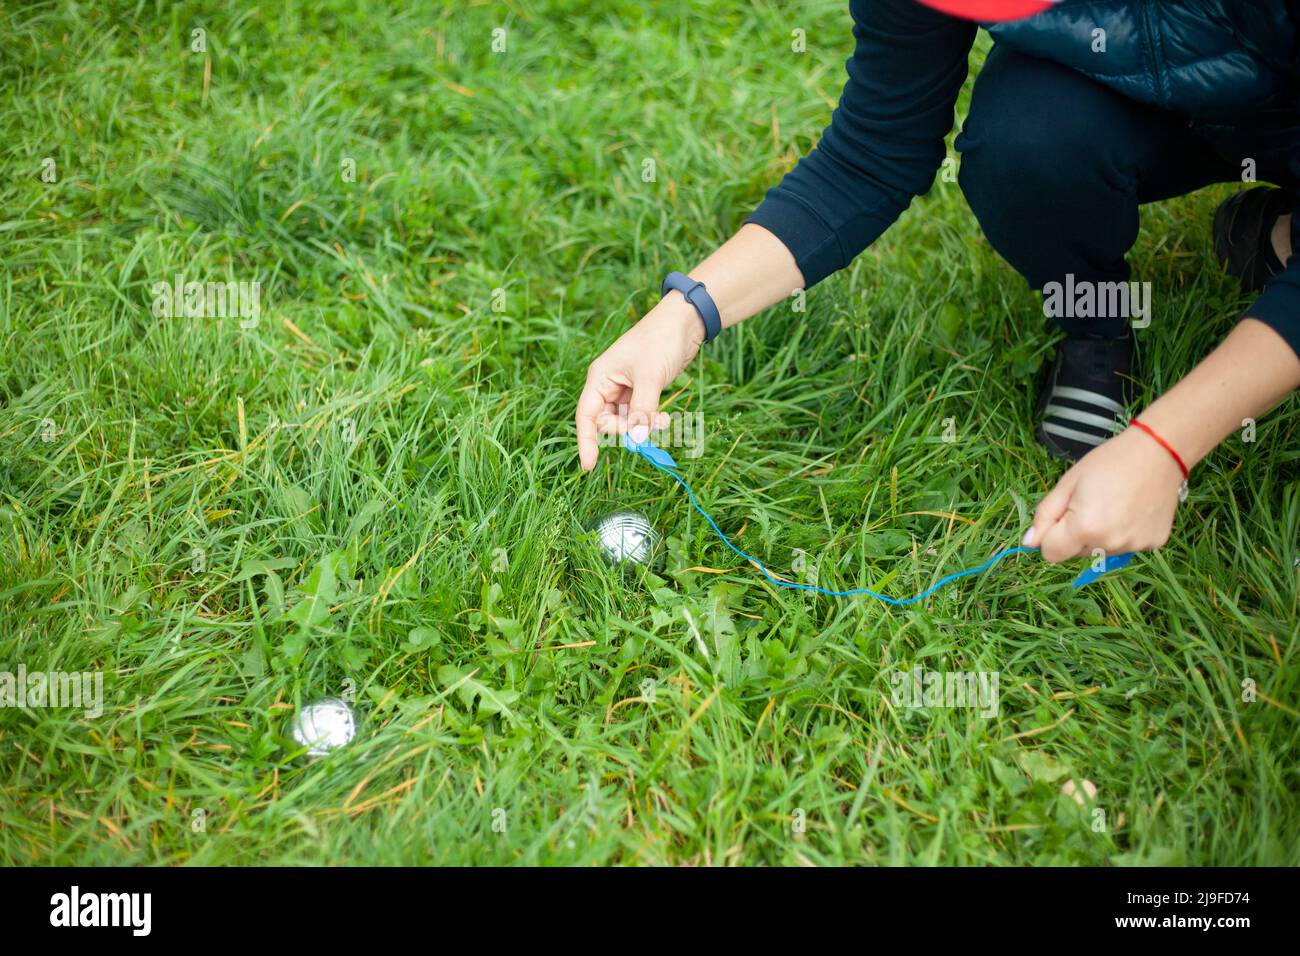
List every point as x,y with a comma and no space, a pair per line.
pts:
1119,497
749,272
624,384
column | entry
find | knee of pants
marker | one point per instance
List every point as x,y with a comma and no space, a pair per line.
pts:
1046,148
1017,169
1050,200
1009,189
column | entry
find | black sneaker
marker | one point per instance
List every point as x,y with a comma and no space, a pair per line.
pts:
1083,398
1243,235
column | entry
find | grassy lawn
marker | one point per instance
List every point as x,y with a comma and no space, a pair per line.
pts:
374,489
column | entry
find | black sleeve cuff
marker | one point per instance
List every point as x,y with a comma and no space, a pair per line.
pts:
1278,306
818,247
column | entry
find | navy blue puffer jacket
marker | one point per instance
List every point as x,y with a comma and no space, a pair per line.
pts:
1211,59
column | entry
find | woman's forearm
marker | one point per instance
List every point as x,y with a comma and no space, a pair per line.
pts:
749,272
1250,372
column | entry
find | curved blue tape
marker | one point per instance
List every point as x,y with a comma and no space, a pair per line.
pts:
664,462
650,453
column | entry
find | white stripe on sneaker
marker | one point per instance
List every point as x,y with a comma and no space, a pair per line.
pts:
1061,431
1083,395
1083,418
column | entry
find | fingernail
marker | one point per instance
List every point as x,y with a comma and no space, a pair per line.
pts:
639,433
1028,539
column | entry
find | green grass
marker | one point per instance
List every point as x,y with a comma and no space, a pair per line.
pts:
446,541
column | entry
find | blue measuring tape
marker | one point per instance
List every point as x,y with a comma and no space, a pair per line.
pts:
665,463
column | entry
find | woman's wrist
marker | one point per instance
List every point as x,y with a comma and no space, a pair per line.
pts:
1159,457
679,320
1186,434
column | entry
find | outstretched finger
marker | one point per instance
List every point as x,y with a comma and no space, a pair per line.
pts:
591,404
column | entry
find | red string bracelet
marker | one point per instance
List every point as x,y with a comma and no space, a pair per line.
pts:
1182,492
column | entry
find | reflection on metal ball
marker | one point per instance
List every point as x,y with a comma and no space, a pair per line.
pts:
324,726
626,536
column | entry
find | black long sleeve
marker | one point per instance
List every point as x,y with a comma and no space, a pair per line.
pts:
885,139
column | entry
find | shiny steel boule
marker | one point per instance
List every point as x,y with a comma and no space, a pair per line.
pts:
324,726
627,537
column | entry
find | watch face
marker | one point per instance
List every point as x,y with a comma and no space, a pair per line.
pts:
990,10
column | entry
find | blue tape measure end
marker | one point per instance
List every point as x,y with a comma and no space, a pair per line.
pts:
1112,563
650,451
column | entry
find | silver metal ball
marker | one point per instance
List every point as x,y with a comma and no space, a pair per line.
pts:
324,726
627,536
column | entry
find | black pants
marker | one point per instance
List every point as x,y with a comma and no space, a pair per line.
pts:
1055,166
